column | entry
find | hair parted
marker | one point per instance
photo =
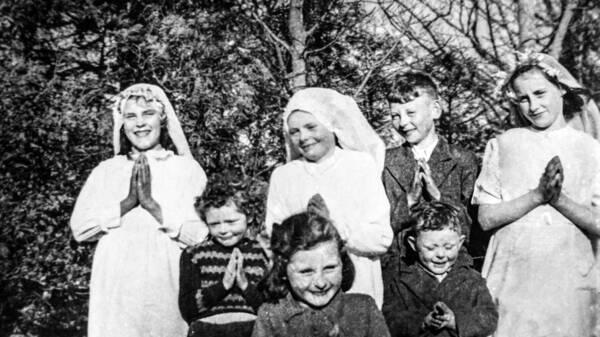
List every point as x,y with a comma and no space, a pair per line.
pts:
405,87
573,100
298,232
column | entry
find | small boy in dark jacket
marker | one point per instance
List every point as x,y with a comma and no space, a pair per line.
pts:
440,294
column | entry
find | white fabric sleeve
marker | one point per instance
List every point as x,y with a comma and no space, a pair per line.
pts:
487,186
371,234
180,219
275,203
96,211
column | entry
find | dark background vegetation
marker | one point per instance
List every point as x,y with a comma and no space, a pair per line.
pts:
228,67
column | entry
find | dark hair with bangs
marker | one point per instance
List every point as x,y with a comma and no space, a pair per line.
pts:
573,100
405,87
301,231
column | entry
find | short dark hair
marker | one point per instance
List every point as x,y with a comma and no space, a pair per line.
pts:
573,99
435,216
301,232
405,87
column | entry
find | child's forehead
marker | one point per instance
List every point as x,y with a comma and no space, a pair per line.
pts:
229,209
440,235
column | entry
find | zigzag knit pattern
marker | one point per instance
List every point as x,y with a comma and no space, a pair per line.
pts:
202,269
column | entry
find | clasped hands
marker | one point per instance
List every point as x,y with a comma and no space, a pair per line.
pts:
422,183
550,183
140,189
234,273
440,317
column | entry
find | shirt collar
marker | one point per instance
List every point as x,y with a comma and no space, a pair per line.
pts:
158,155
424,149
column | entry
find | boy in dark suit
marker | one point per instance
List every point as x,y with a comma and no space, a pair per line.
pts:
424,168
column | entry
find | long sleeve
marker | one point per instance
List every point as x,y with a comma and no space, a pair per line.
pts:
377,325
94,213
193,299
275,211
262,325
371,234
180,219
481,319
401,319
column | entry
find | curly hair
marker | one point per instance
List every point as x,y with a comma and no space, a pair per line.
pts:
246,195
301,231
573,99
405,87
435,216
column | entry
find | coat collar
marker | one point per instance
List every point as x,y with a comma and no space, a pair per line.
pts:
292,308
421,282
402,164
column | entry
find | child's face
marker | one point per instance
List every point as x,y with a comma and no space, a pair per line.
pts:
437,249
414,120
315,274
141,124
226,224
309,136
539,100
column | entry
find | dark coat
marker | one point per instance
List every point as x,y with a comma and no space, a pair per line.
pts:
347,315
454,172
412,294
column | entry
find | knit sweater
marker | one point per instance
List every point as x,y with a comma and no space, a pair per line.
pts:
202,267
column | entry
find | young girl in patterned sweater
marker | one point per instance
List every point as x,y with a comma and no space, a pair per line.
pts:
218,277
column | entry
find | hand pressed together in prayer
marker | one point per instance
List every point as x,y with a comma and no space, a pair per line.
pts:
234,273
440,317
422,185
550,184
140,190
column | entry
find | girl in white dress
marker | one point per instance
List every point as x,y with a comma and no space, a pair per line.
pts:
539,190
333,151
139,206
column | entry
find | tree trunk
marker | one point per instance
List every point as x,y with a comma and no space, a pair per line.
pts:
298,35
563,27
525,16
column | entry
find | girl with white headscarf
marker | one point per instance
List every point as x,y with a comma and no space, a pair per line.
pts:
139,206
539,191
333,151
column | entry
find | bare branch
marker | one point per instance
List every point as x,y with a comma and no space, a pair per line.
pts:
373,67
270,32
563,27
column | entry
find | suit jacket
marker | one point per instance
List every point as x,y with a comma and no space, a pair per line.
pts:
454,172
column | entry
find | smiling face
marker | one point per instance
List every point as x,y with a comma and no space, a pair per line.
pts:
309,136
539,101
226,224
414,120
141,123
315,275
437,249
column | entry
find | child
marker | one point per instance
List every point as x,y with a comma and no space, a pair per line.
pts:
539,190
332,150
218,295
425,167
440,295
139,206
311,271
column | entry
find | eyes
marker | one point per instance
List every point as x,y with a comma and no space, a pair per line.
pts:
308,127
309,271
540,93
145,113
433,248
226,221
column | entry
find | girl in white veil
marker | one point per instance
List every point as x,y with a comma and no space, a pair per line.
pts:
139,207
332,151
